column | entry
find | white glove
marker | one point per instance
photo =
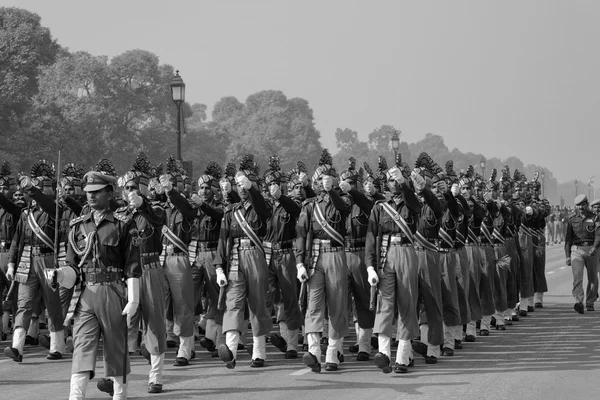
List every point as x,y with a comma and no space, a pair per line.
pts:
487,196
165,182
327,182
418,181
26,182
221,278
397,175
225,186
135,200
196,199
372,276
303,177
275,190
302,274
10,272
528,210
66,277
243,182
133,297
61,192
455,190
345,186
369,187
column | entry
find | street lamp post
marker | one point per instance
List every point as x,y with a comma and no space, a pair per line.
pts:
482,165
395,143
178,96
543,184
575,187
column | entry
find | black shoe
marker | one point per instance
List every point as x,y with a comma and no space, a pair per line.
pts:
340,357
375,342
430,360
362,356
458,344
171,344
311,362
514,318
500,327
31,341
13,353
257,363
144,352
214,354
589,308
419,347
383,362
470,338
578,307
181,362
447,351
484,332
226,356
522,313
54,356
291,354
331,367
154,387
353,348
44,341
539,305
106,386
530,309
208,344
400,368
279,342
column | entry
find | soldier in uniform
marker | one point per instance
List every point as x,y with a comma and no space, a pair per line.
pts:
540,286
10,213
582,240
241,267
177,234
389,248
203,250
278,241
149,220
356,231
32,248
103,253
320,246
525,243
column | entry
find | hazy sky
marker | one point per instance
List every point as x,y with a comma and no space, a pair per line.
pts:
497,77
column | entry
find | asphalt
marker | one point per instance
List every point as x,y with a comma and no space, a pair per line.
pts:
553,353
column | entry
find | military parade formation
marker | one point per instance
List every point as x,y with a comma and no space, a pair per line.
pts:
420,258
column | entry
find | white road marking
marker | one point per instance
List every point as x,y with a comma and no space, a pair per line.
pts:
562,267
301,372
550,273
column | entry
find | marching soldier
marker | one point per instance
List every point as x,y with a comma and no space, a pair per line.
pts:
389,248
582,241
320,247
540,286
241,267
149,220
103,252
525,243
177,234
32,248
278,241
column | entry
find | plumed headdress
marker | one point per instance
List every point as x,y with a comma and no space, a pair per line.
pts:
351,173
274,174
212,175
249,168
293,176
42,174
325,166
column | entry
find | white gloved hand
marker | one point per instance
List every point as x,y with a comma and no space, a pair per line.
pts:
487,196
26,182
221,278
528,210
302,274
397,175
327,182
372,276
197,200
275,191
10,272
165,182
418,181
66,277
133,297
225,186
135,199
369,187
303,178
345,186
243,182
455,190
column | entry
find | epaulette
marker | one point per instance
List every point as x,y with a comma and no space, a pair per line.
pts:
79,219
121,216
122,209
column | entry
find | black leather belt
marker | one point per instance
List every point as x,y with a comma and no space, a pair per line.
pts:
41,250
286,244
204,246
100,278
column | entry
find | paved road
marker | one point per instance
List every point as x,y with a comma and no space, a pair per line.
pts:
552,354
